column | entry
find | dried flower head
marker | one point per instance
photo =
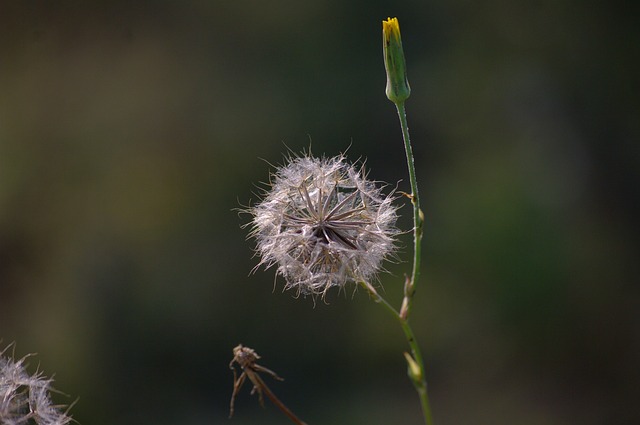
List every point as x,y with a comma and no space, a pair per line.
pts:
24,398
323,224
246,358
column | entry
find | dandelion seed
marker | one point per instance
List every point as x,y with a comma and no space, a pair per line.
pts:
323,224
24,398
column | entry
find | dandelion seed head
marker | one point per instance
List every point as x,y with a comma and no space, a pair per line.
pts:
25,399
322,224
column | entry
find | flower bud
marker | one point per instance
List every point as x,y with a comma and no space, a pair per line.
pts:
398,89
413,370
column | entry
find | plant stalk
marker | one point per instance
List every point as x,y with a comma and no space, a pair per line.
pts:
255,378
417,213
419,382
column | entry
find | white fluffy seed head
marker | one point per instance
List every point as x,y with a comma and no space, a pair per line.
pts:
24,398
323,224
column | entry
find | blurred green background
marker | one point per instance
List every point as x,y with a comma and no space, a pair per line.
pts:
130,131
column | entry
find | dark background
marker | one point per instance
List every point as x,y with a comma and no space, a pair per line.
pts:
130,131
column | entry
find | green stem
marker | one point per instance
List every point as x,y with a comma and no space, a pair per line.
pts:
420,382
417,213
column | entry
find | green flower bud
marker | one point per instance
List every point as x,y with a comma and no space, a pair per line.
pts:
413,370
398,89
